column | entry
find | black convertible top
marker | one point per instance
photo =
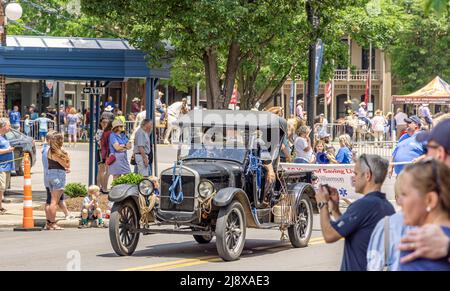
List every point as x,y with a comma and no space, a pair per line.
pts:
231,118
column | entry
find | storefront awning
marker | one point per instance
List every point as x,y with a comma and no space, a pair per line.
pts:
436,92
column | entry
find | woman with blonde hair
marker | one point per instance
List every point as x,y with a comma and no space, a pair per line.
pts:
58,167
73,121
344,155
378,125
425,200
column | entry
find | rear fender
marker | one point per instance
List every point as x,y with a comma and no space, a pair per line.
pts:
304,188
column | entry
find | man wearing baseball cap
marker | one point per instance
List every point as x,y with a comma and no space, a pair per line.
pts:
409,149
413,125
438,142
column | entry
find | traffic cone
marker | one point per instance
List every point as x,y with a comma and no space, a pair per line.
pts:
28,220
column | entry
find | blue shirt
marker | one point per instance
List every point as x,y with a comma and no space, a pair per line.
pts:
357,225
6,167
114,138
375,252
112,104
45,149
407,151
14,117
426,264
344,156
403,137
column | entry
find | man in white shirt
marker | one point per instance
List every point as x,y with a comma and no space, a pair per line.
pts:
424,112
362,113
303,148
400,122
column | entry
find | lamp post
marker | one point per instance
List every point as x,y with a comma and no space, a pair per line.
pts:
315,22
12,11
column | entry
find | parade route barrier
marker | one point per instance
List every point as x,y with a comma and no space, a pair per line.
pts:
335,175
28,220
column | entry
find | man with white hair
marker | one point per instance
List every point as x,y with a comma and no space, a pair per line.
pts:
358,222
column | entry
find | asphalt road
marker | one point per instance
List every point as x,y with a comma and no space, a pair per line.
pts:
90,249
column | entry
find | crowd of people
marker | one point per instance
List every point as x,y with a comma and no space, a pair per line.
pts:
376,237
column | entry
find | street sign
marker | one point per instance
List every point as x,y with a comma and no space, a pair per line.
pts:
94,90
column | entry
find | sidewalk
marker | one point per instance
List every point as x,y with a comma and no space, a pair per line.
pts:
13,218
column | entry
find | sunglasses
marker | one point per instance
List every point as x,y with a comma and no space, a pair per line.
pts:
363,157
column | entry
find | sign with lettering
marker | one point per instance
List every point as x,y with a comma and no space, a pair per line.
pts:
94,90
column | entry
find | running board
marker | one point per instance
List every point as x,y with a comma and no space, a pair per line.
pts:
147,231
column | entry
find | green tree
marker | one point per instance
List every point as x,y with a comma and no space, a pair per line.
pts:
421,52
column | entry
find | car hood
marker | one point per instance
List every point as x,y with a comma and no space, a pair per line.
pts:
211,168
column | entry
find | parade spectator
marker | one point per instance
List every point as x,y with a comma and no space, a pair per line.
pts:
425,191
160,106
303,147
110,103
58,167
108,114
389,125
32,112
299,110
362,113
409,149
62,204
14,118
62,119
118,147
400,123
43,122
358,222
424,112
72,126
131,117
51,113
325,138
27,125
91,210
378,124
136,106
344,155
174,111
383,252
120,117
101,162
6,160
320,156
104,147
143,148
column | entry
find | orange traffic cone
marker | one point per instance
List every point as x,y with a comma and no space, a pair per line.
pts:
28,220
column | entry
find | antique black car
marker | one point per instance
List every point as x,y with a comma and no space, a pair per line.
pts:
227,178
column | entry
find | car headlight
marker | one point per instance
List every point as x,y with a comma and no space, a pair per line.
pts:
146,187
205,188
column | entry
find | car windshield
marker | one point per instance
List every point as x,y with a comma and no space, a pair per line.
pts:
213,144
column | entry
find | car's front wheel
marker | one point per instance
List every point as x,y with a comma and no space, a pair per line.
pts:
124,222
300,232
230,231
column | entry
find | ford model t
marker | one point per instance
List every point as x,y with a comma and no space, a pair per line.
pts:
227,178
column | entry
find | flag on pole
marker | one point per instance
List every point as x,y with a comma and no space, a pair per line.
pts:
328,92
367,97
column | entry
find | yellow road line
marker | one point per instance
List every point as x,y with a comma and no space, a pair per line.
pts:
208,259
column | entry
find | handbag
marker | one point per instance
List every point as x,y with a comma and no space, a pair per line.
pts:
133,160
111,160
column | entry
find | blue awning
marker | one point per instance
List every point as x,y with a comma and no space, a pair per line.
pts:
59,58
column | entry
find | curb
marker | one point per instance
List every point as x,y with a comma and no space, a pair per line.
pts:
41,223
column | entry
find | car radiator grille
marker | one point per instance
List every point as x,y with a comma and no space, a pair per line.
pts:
188,187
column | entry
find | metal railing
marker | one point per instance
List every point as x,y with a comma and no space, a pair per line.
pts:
356,75
34,129
383,149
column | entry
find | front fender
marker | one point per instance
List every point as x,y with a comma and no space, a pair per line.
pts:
225,196
121,192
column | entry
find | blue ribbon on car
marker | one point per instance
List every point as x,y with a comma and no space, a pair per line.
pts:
255,166
176,182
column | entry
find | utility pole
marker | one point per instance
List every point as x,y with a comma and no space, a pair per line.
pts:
314,22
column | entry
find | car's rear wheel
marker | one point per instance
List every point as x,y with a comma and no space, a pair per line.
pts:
300,232
203,239
123,223
230,231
